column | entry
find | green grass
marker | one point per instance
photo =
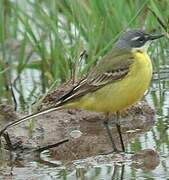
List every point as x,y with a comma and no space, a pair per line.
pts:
57,31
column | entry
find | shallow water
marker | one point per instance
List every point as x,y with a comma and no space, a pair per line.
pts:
151,163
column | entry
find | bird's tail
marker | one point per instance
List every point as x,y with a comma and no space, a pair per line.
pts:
14,123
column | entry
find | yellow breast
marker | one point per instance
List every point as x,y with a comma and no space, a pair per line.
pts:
122,93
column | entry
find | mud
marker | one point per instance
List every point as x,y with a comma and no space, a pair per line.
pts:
57,126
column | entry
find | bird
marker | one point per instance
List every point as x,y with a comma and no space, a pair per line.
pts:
116,82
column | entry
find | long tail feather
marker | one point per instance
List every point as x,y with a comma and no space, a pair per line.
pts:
30,117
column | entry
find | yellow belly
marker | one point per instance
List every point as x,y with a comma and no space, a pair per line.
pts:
122,93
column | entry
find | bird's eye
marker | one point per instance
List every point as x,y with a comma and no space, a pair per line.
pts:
141,39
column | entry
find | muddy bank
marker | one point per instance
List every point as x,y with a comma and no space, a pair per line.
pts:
83,131
91,137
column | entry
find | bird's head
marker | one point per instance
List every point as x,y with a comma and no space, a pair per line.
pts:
136,40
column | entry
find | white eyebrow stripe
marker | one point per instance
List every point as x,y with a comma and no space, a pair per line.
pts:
135,38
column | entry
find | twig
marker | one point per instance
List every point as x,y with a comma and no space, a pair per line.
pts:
10,147
13,96
39,150
83,54
8,141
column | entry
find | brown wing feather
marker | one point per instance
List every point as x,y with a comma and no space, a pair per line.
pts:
114,70
107,77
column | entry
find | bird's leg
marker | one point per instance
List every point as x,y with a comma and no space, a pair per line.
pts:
106,124
119,130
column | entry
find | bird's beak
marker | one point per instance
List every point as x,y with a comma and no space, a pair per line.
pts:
153,37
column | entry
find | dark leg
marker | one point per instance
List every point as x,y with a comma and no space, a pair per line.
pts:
110,135
119,131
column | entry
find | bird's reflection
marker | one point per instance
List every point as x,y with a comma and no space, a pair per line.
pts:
118,172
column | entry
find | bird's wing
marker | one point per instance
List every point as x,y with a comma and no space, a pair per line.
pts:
113,67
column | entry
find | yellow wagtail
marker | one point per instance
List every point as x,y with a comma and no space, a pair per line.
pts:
115,83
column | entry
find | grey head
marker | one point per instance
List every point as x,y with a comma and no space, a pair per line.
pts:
136,39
